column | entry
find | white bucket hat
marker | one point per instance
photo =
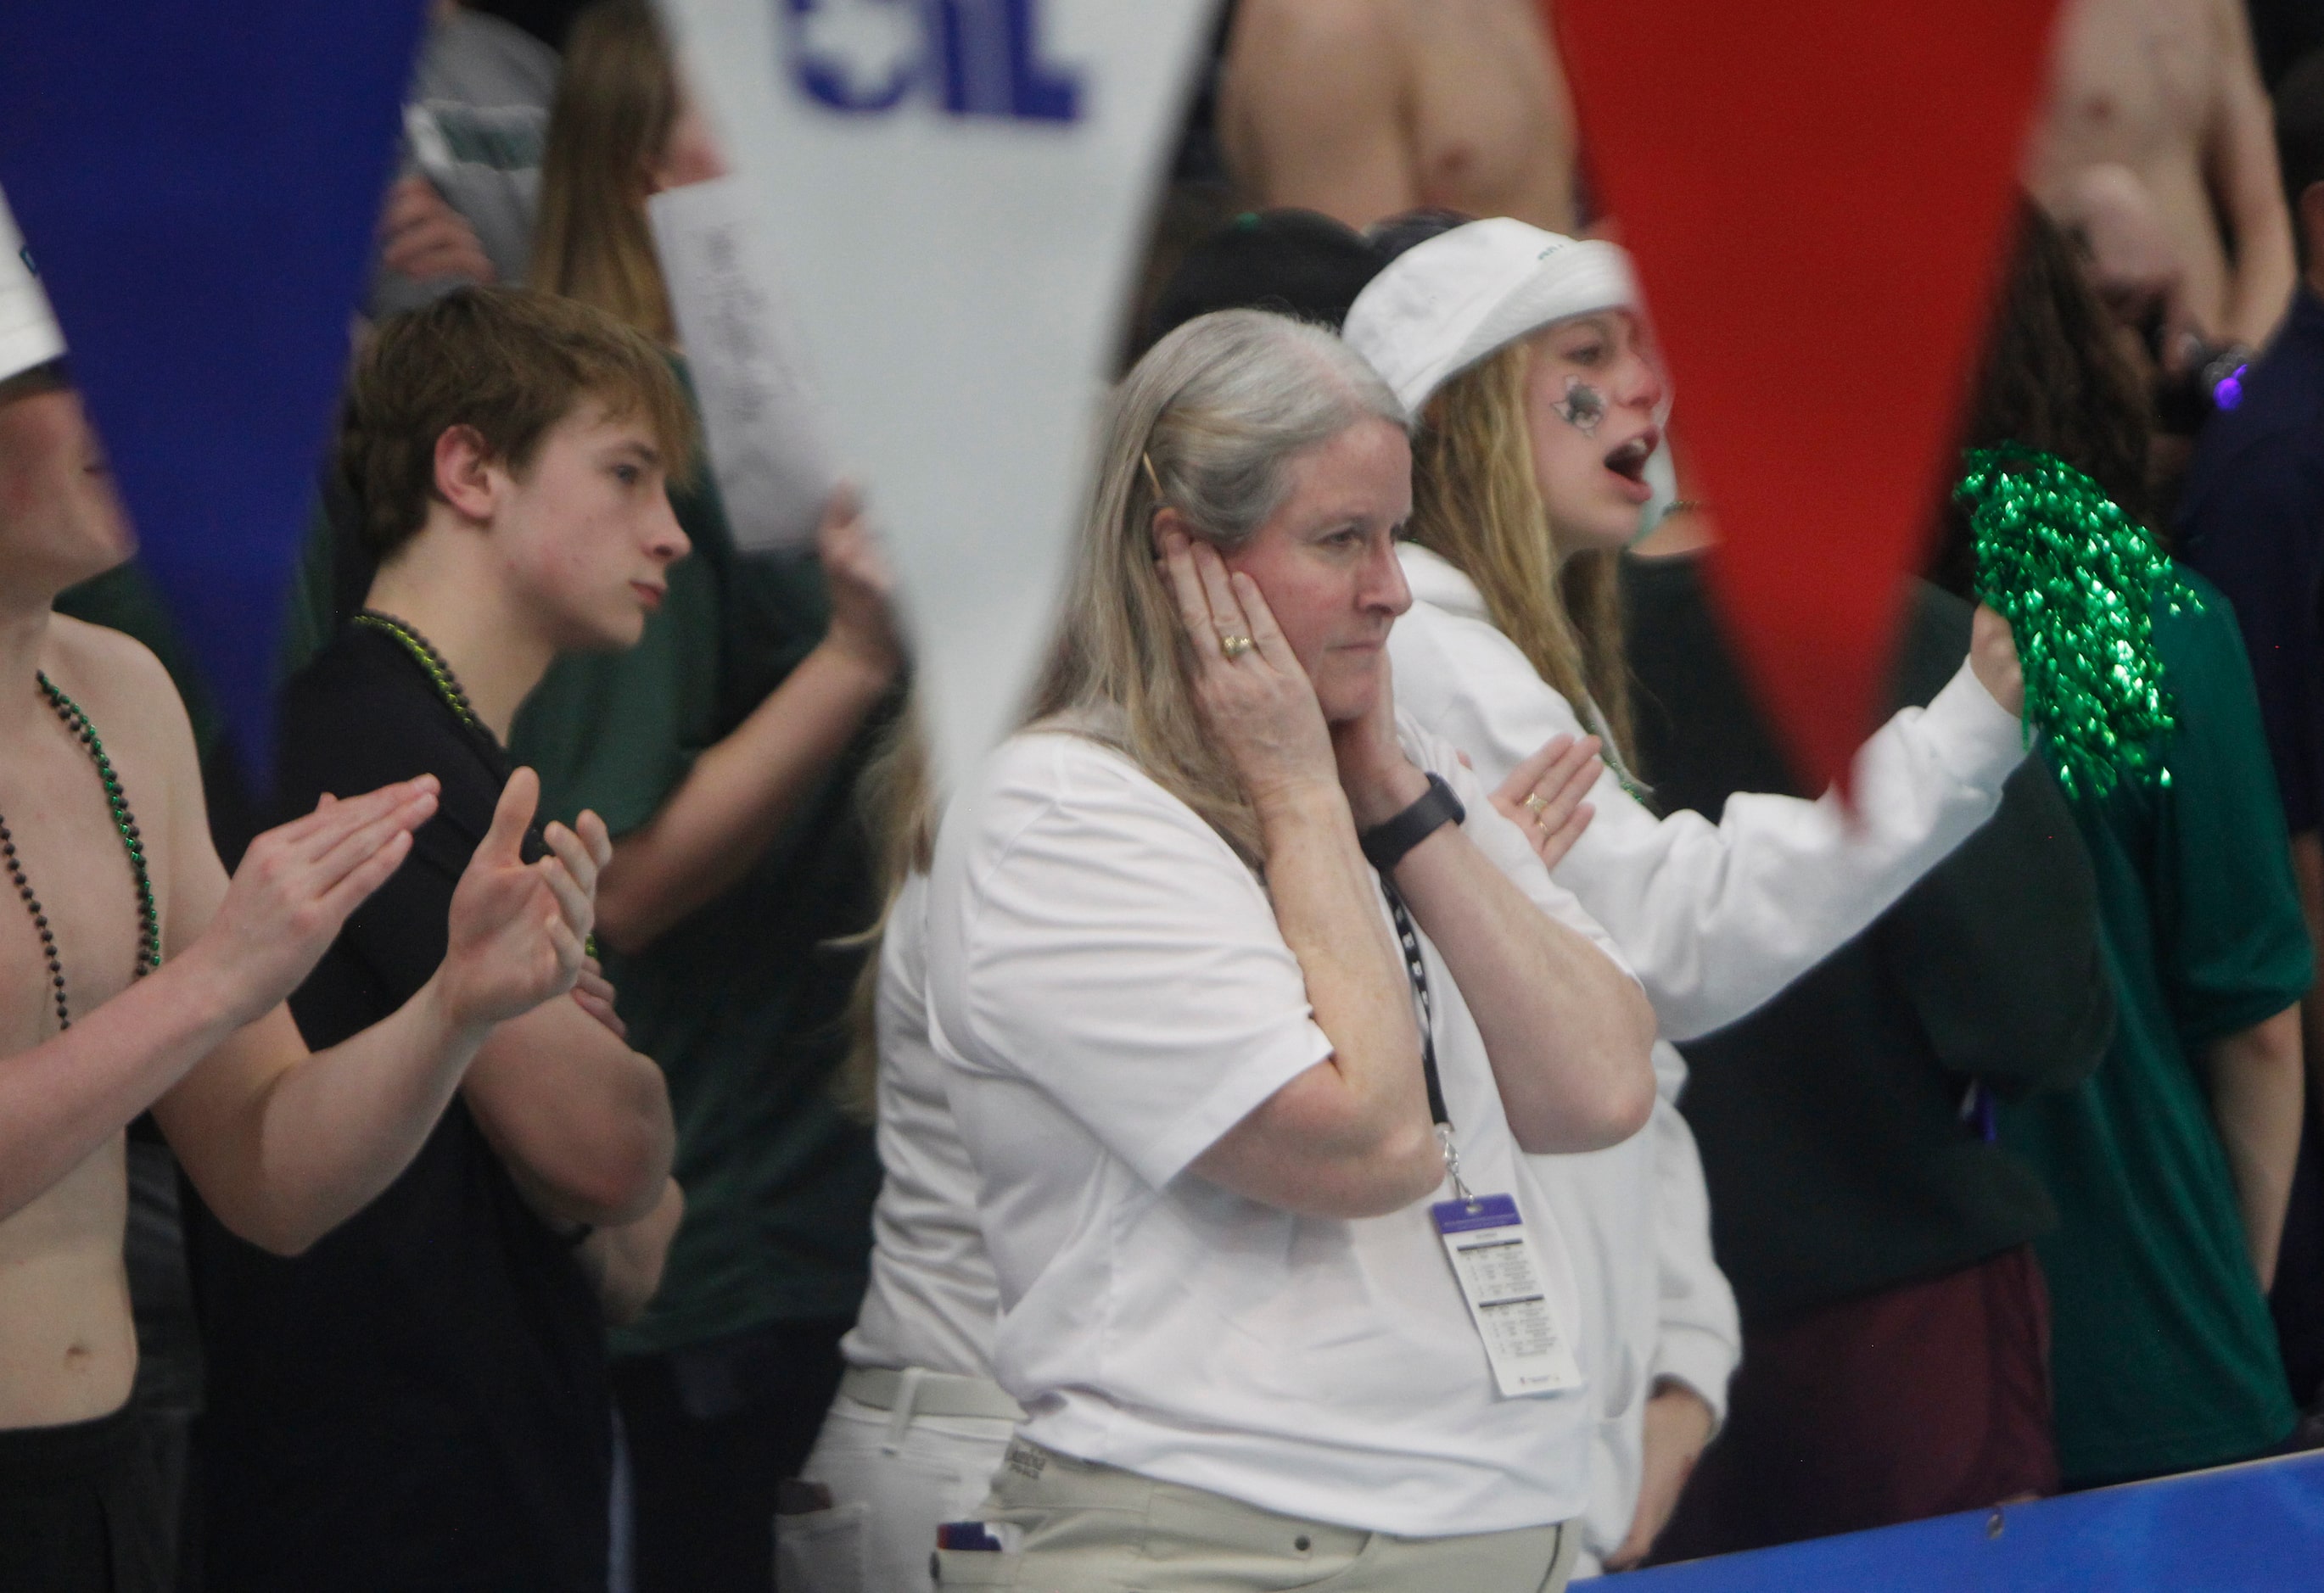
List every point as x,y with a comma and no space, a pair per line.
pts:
29,333
1442,306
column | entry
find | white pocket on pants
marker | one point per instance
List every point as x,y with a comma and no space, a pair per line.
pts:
821,1551
970,1567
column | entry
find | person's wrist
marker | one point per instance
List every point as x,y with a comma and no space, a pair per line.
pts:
1684,1405
1299,801
451,1017
873,665
212,989
1379,796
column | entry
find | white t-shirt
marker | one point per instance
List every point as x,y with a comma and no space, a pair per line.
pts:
1635,1218
1108,983
932,1299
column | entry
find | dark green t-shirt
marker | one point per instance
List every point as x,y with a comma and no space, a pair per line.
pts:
744,1003
2163,1354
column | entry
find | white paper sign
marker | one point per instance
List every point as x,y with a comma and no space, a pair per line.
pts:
954,193
760,413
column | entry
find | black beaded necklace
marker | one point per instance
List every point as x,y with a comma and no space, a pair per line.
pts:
149,918
448,685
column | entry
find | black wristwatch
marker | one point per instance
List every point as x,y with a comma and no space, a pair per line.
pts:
1385,843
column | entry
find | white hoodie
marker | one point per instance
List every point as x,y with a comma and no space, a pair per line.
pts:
1715,920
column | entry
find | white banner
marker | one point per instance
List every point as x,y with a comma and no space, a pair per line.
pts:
954,193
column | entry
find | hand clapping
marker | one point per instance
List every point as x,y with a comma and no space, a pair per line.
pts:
518,929
297,885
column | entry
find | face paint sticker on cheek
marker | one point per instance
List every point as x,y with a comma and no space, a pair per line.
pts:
1582,408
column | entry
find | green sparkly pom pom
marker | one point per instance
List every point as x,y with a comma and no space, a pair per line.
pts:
2078,580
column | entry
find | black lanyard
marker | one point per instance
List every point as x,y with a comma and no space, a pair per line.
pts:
1415,970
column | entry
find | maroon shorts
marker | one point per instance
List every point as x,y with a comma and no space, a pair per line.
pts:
1920,1400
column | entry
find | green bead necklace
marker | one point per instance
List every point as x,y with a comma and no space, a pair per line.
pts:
149,918
448,685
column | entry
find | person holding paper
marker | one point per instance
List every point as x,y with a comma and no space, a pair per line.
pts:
1254,1000
722,751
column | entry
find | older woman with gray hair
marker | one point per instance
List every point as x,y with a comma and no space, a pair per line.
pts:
1253,1000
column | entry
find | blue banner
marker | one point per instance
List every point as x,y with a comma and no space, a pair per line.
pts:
198,183
2241,1529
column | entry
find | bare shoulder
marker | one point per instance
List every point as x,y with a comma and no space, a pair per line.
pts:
2229,23
135,707
125,690
1313,97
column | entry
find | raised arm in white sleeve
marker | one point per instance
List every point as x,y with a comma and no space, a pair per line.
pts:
1714,919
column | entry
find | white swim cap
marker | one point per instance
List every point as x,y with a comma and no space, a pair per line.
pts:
29,333
1442,306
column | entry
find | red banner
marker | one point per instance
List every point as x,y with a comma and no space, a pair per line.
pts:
1816,193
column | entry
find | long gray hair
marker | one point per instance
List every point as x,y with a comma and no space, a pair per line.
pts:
1209,419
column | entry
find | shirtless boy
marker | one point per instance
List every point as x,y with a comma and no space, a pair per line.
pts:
133,974
2157,124
1363,109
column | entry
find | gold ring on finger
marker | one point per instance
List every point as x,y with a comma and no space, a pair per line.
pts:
1234,647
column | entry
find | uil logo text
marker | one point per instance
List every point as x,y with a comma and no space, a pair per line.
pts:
969,57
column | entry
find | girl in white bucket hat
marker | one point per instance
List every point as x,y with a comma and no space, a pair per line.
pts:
1538,401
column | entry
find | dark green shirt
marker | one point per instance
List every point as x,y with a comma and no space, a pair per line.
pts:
744,1003
2163,1348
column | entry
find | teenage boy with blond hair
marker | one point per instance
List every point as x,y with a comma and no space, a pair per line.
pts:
421,1402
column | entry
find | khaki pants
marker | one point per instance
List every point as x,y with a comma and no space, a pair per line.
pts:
1096,1529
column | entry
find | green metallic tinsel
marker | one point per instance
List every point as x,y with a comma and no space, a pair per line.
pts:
2076,579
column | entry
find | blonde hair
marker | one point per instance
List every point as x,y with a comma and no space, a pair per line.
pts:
1206,423
617,99
1475,505
896,794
